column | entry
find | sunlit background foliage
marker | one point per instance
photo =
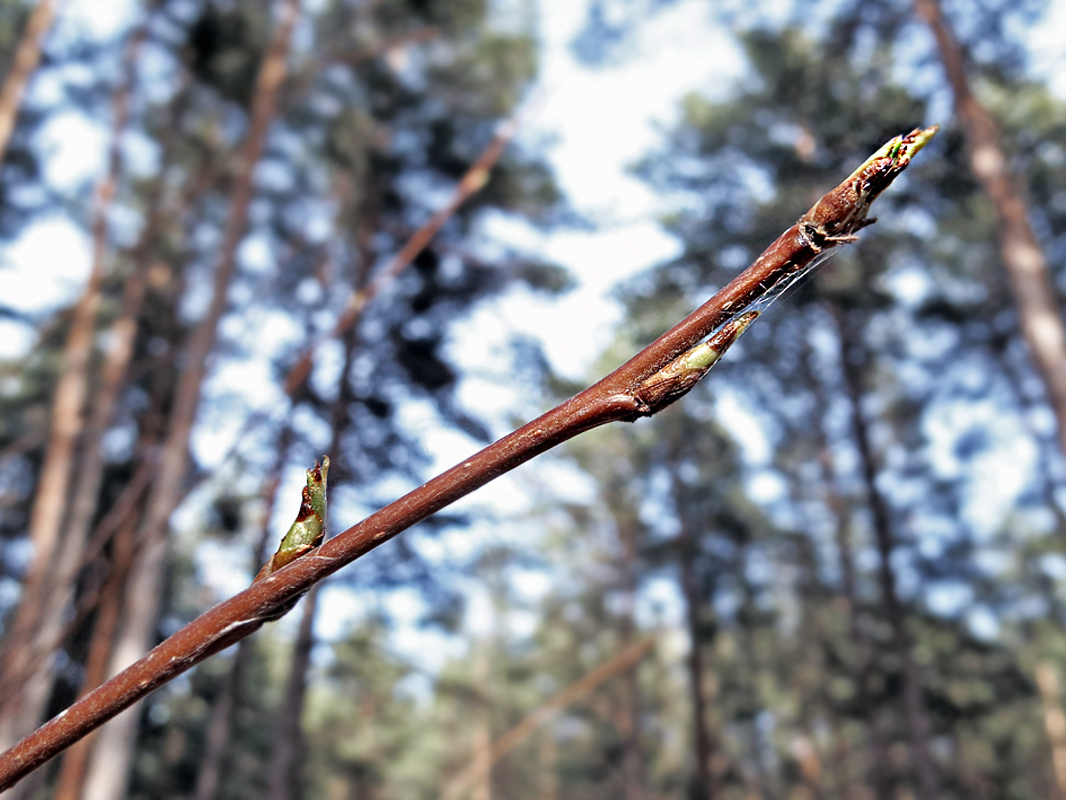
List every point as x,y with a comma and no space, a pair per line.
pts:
835,570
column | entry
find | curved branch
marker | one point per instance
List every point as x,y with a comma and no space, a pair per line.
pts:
621,396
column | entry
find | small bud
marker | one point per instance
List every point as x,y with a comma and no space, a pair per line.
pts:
678,377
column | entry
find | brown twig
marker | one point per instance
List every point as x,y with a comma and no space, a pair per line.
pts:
458,786
472,181
621,396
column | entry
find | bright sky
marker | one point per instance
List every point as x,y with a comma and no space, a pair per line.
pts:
605,120
600,121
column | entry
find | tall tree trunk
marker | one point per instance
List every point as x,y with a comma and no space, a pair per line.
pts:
757,779
548,757
288,741
288,735
38,621
1047,680
113,753
221,720
634,779
482,762
24,695
811,668
27,56
878,778
877,774
108,611
220,725
703,743
1034,295
853,357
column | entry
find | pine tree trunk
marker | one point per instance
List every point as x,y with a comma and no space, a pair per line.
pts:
629,727
27,56
548,753
76,759
634,779
812,667
758,778
878,778
853,357
288,740
1034,294
482,761
288,733
220,724
1047,680
113,753
38,622
25,684
701,735
877,774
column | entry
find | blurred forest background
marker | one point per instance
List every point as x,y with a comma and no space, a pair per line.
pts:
834,571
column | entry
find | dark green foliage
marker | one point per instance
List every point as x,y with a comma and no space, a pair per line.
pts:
224,49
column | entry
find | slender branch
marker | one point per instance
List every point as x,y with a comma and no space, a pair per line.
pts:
461,784
472,182
633,390
109,767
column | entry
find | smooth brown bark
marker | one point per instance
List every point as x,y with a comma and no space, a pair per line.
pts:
833,220
27,56
853,357
1034,293
114,747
